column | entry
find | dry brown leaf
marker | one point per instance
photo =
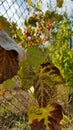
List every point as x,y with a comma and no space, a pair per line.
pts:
8,64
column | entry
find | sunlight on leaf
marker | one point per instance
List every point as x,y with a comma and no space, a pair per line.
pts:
29,2
39,113
65,120
47,118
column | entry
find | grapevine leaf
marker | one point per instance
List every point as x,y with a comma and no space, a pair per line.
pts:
8,84
8,64
47,118
45,81
39,113
26,74
65,120
29,68
35,56
9,52
9,44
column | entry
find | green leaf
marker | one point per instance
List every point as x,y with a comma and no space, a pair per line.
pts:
32,21
36,56
29,67
8,84
5,24
61,54
65,120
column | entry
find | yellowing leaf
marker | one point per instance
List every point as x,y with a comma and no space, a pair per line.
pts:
29,2
47,118
34,113
65,120
39,113
45,81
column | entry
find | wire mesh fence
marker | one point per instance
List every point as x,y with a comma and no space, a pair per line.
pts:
14,104
14,10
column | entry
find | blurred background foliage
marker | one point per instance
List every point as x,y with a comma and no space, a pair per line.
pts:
47,37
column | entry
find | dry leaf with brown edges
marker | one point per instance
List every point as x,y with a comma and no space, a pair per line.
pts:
9,52
54,117
8,64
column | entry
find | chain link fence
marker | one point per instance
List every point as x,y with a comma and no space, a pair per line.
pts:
15,102
15,10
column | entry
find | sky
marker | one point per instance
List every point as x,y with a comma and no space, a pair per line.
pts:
15,10
67,6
